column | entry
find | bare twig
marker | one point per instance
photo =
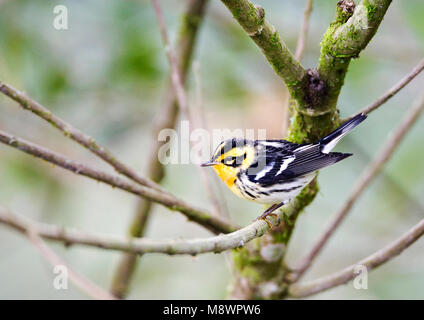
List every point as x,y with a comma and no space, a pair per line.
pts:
172,58
371,262
362,183
76,135
300,47
190,24
212,187
214,244
214,224
180,91
80,281
393,90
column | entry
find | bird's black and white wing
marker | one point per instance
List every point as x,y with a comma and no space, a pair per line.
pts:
290,160
309,158
282,160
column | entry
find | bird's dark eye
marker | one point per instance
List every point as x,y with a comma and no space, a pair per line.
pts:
234,161
229,161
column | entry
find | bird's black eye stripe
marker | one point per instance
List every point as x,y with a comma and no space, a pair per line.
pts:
230,161
233,161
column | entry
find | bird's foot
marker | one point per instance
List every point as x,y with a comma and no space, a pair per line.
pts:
269,212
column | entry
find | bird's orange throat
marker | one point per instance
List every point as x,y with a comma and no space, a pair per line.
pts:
227,174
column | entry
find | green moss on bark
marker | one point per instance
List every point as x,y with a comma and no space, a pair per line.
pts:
371,10
306,129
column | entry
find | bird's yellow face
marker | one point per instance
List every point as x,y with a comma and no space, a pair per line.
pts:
227,164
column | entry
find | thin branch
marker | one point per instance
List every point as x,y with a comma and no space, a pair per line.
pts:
80,281
180,91
128,261
191,21
371,262
212,187
362,183
214,224
252,18
75,134
214,244
172,58
389,181
392,91
300,47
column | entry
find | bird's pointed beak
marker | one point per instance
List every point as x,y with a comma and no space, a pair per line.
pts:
209,163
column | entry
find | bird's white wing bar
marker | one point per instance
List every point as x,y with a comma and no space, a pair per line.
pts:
303,148
285,164
329,142
263,172
329,146
272,144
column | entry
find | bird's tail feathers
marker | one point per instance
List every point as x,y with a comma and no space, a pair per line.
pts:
329,142
338,156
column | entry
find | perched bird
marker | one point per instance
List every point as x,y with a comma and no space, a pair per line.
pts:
275,171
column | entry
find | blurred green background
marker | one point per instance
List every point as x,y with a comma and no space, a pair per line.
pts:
107,76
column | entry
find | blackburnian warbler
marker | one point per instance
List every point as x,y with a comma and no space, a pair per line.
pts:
275,171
